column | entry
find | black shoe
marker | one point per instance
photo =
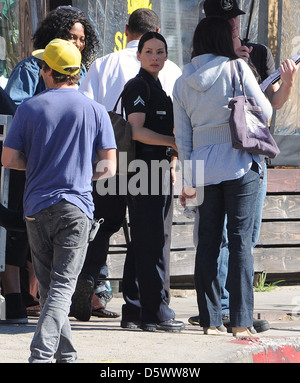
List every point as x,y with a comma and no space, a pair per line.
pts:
194,320
81,307
130,324
261,325
170,325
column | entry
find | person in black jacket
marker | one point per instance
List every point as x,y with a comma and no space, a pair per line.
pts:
145,266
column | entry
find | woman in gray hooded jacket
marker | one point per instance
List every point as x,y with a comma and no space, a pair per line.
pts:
231,176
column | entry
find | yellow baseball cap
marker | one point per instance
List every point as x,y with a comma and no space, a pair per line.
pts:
60,54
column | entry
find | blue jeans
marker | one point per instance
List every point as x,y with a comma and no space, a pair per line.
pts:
58,238
236,199
224,252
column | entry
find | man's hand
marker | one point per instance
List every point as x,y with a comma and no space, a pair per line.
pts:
188,192
105,165
288,71
278,95
241,50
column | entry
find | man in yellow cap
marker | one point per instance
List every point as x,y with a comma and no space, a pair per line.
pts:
56,137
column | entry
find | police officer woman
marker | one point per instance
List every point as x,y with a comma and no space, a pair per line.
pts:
151,117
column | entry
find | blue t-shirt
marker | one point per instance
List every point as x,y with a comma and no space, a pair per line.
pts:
59,131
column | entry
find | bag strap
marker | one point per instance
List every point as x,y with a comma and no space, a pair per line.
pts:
237,65
124,90
122,93
232,77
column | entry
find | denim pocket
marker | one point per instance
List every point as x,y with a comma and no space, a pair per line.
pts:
36,235
73,232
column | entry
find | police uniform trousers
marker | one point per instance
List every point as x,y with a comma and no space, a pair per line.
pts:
146,267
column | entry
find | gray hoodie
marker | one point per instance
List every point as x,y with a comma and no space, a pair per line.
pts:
201,113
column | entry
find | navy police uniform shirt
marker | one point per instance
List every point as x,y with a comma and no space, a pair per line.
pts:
158,107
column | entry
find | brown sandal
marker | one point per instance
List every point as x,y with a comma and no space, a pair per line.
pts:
102,313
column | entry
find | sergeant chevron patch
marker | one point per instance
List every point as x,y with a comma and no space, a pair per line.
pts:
139,100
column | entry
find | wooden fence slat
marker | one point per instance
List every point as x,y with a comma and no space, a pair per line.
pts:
280,233
283,180
282,207
277,260
270,260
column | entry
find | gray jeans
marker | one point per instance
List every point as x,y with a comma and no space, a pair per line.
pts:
58,238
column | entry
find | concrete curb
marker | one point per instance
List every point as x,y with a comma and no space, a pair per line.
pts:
266,350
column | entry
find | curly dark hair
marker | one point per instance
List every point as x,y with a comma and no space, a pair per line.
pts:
58,23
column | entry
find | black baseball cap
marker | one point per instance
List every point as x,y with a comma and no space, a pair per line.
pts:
227,9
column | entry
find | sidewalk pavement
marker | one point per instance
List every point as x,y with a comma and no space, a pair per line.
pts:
102,340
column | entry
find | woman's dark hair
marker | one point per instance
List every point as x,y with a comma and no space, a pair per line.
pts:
58,23
213,35
151,35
